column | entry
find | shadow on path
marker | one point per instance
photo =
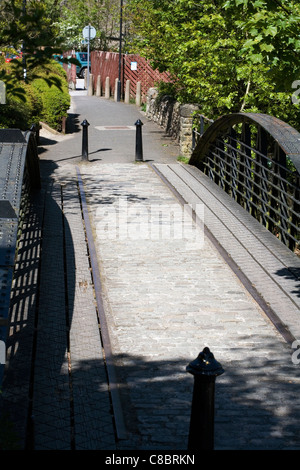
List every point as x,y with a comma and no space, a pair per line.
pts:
41,311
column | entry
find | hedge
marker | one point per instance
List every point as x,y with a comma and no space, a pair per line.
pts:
46,99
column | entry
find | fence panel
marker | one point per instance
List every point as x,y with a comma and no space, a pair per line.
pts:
133,67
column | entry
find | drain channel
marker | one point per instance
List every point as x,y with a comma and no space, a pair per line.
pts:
111,373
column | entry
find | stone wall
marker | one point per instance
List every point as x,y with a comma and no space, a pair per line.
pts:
175,118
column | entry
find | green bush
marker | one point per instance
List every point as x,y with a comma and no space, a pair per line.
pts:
52,67
166,89
55,100
34,103
52,88
14,114
45,98
22,109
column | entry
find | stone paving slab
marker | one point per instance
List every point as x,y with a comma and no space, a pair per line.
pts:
269,265
55,391
93,418
51,398
165,300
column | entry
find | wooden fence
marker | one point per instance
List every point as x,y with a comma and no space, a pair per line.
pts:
105,64
138,69
133,67
70,69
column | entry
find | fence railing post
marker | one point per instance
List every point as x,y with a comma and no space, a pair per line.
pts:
205,369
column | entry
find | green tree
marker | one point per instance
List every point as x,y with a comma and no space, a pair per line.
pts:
228,56
271,35
29,27
103,15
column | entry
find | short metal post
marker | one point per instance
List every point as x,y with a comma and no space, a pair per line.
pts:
138,141
205,369
85,146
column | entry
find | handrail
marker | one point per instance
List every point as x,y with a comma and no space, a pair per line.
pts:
200,122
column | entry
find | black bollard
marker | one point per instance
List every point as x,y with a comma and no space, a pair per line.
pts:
85,145
138,141
205,369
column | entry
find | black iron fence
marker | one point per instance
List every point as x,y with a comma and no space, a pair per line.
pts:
200,124
255,158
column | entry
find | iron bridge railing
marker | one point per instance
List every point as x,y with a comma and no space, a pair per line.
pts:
19,177
255,158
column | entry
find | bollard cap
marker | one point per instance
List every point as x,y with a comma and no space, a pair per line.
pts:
205,364
85,123
138,123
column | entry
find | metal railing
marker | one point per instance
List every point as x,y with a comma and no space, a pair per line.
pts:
200,124
256,160
19,175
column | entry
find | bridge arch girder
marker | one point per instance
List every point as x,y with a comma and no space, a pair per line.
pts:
285,135
256,159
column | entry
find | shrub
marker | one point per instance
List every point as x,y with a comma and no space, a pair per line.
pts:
45,98
22,109
14,114
55,101
52,88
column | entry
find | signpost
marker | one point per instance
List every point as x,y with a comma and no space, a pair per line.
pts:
120,52
88,33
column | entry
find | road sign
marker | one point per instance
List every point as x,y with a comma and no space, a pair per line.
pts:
89,32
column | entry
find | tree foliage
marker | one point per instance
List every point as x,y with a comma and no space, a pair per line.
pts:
226,55
103,15
29,28
30,25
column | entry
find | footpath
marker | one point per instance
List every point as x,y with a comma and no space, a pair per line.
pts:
118,290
